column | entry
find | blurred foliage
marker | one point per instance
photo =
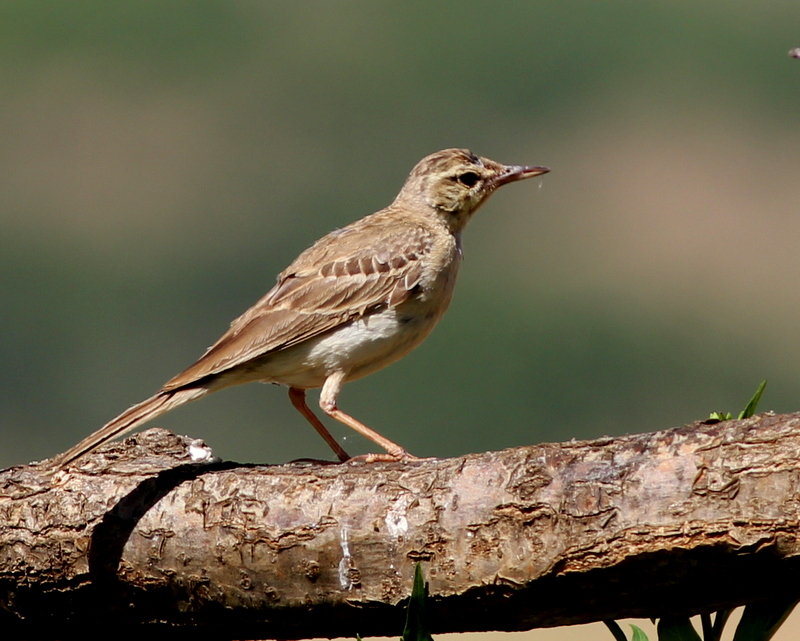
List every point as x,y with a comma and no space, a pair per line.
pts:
758,622
161,162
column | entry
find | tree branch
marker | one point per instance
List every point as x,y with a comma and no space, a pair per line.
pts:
681,521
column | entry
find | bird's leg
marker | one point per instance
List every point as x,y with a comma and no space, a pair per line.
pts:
327,401
298,398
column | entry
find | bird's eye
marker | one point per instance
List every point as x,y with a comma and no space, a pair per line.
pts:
468,178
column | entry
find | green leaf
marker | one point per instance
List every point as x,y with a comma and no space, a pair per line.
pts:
676,629
619,635
750,408
720,416
760,621
416,626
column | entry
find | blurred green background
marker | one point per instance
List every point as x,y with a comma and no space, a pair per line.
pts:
161,162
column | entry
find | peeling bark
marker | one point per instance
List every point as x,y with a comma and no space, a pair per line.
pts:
137,537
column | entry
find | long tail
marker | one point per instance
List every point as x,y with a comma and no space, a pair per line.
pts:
130,419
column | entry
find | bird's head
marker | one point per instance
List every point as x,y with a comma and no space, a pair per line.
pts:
455,182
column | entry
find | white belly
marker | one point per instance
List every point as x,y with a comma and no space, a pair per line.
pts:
358,348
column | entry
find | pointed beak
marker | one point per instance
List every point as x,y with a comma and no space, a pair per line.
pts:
513,173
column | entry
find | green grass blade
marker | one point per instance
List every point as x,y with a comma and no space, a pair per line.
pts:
750,408
638,634
416,625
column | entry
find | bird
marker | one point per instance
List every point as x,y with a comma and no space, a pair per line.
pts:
356,300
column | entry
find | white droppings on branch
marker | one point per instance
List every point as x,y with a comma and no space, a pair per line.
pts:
199,452
396,521
346,564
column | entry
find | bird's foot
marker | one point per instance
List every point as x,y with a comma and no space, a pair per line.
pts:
387,457
313,461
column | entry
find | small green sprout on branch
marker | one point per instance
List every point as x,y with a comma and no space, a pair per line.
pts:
416,619
748,410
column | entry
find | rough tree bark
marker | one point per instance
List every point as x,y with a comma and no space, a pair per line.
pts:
680,521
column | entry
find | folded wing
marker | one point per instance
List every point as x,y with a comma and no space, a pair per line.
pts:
338,279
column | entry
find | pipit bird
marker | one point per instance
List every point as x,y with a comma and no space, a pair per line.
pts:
355,301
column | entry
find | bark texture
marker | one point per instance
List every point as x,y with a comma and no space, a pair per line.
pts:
137,537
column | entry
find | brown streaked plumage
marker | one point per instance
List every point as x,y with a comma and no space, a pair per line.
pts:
356,300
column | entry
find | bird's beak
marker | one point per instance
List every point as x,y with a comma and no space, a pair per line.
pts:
516,172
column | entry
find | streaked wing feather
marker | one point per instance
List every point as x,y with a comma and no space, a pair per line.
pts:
312,298
280,327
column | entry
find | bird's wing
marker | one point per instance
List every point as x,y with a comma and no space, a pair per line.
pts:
341,277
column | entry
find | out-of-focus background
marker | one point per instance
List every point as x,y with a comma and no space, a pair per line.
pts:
161,162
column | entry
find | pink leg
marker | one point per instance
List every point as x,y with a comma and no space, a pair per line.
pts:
327,401
298,398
